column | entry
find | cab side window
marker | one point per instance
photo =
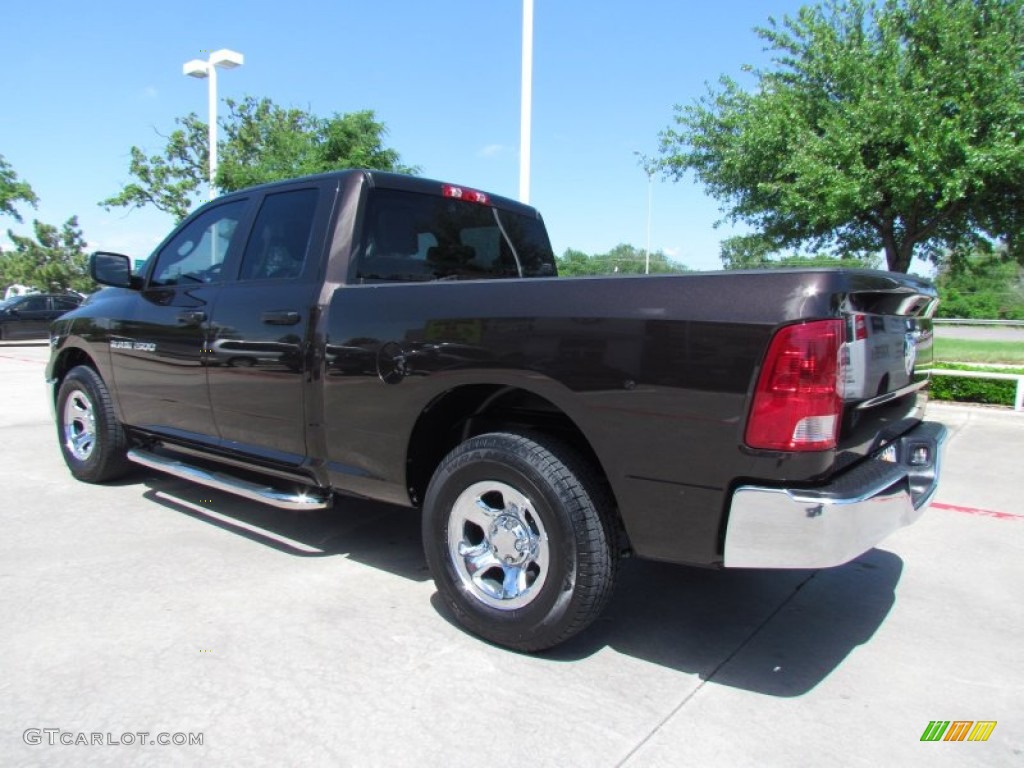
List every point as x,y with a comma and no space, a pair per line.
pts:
197,253
34,304
279,244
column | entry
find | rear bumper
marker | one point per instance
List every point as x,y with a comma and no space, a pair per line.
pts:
832,524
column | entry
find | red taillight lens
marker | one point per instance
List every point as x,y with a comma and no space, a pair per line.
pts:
860,326
461,193
797,402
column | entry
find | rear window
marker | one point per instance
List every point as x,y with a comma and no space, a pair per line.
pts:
409,236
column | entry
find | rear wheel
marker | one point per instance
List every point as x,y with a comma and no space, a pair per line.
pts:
517,540
92,439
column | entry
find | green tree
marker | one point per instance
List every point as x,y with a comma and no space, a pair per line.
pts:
171,180
981,285
53,260
262,142
748,252
758,252
892,128
13,190
630,260
576,263
265,142
622,259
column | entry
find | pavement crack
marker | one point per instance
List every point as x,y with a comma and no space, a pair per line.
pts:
743,644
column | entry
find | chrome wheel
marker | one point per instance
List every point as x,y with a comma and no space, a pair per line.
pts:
498,545
517,538
79,422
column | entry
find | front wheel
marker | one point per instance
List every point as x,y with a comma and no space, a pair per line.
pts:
517,539
92,439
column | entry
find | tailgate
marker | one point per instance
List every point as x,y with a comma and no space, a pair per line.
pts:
885,358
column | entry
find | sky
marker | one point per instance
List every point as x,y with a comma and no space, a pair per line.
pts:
84,82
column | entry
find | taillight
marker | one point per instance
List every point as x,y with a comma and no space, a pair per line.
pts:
797,401
860,327
461,193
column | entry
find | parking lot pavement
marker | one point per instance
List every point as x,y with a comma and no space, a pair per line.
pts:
151,605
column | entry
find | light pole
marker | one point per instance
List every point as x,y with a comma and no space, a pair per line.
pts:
649,167
526,103
226,59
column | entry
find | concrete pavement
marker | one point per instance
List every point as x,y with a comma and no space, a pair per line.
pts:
152,605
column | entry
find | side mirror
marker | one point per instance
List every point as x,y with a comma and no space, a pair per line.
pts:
111,269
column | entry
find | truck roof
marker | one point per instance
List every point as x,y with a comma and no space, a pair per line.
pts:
400,181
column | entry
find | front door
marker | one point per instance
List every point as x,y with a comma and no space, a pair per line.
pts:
159,354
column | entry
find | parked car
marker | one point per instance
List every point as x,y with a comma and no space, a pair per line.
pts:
29,316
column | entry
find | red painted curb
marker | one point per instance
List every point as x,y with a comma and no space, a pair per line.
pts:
976,511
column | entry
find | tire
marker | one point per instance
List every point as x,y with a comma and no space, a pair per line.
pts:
92,440
517,539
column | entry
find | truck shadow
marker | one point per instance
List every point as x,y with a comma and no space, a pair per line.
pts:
383,536
779,633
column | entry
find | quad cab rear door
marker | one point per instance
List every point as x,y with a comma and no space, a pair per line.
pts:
259,356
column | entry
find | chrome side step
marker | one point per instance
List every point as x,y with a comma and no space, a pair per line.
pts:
305,500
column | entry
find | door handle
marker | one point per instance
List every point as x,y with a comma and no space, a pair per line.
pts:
281,317
191,317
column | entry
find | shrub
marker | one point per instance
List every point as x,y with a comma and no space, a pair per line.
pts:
989,391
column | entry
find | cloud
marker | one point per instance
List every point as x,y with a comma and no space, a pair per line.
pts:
672,253
150,93
491,150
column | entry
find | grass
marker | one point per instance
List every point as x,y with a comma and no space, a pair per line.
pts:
965,351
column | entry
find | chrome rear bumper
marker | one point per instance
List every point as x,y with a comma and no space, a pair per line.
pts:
831,525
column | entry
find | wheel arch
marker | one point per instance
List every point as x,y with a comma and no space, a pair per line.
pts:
468,410
72,356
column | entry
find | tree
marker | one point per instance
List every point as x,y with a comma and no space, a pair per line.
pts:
892,128
982,284
170,181
759,252
54,260
262,142
12,190
747,252
622,259
576,263
265,142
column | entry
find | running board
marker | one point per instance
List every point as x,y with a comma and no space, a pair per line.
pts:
305,500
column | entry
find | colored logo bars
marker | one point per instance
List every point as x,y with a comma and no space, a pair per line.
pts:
958,730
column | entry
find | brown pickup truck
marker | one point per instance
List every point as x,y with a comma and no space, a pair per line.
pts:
409,341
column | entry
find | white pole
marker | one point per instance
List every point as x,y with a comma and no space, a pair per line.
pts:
211,72
650,186
526,105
